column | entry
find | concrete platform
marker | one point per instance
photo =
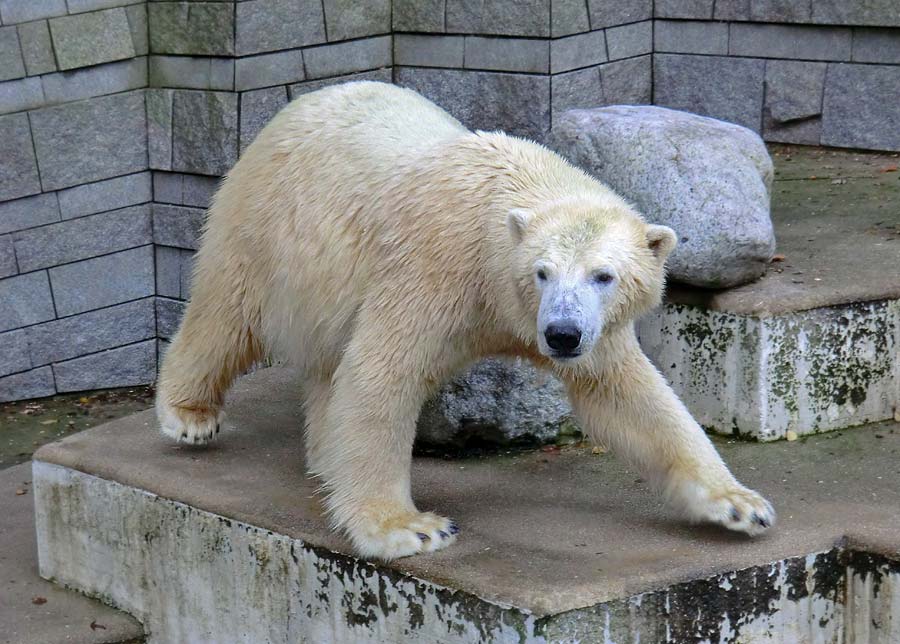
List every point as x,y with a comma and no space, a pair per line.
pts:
228,544
815,344
32,610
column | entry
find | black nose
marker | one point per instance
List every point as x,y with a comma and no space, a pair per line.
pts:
563,337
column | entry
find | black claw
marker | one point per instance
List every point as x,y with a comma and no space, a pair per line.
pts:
217,428
183,436
423,536
453,528
443,534
764,522
735,515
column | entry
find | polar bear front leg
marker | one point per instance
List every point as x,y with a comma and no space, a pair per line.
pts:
364,449
633,410
212,347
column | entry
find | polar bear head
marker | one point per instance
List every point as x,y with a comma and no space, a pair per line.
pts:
584,265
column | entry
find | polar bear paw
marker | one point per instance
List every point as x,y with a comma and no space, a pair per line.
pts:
196,426
409,533
734,507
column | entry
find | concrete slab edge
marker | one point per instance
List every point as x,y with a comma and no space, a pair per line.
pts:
191,575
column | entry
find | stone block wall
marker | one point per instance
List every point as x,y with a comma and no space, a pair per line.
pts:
512,65
76,244
118,117
825,72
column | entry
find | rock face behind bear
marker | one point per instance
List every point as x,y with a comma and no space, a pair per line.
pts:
498,402
708,180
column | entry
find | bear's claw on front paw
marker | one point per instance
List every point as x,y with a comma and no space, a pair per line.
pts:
403,535
189,426
741,510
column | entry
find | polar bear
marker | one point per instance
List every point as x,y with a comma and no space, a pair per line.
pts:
380,246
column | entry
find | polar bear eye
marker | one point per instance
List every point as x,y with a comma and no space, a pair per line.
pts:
542,274
602,277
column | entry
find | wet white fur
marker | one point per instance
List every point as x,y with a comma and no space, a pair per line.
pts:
364,236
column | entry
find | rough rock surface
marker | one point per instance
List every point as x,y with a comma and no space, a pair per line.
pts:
707,179
497,402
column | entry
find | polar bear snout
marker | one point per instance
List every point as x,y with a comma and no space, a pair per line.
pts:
570,317
564,338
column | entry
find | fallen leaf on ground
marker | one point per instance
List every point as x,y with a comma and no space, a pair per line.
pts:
598,450
550,448
95,626
20,492
52,421
889,168
38,600
778,258
791,435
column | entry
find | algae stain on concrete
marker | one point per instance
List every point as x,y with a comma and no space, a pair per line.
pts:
834,367
759,377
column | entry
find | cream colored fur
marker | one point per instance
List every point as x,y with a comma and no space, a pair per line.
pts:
363,236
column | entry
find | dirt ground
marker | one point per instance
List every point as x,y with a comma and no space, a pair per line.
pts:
26,425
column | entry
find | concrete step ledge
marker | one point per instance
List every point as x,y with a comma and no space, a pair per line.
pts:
195,576
761,376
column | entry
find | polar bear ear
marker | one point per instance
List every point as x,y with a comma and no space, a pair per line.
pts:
661,240
517,221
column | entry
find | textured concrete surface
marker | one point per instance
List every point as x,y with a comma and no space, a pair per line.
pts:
812,371
837,224
545,532
32,610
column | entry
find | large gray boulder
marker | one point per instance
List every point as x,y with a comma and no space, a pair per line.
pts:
707,179
497,402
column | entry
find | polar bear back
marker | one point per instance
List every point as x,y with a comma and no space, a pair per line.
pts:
382,121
